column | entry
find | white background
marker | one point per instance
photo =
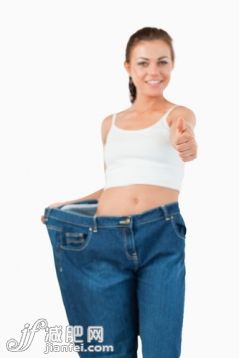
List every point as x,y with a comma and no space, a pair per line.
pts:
61,68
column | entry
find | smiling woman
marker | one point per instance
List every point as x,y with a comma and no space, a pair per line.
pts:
164,57
147,170
119,252
154,70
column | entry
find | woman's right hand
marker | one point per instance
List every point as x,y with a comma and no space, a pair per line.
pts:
53,205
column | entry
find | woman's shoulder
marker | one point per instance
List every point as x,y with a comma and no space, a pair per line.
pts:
181,110
105,126
107,121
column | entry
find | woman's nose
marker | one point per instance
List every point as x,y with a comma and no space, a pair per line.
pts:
153,69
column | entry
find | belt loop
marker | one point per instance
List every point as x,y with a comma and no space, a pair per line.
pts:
95,223
166,213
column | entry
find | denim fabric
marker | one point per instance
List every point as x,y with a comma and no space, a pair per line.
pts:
123,273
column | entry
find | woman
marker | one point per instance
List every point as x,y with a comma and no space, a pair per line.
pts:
129,269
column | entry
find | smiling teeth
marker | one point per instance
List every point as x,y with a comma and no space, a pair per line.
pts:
153,82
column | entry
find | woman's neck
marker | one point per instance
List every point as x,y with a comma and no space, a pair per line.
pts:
145,104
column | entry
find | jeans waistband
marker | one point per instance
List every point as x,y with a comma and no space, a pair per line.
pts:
83,213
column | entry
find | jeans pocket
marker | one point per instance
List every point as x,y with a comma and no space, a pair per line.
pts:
178,225
75,238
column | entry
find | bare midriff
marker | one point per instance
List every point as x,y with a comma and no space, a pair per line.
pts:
133,199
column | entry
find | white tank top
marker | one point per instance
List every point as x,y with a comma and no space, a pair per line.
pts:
142,156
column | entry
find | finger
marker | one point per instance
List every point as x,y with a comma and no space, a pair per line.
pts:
187,156
187,145
181,124
185,138
183,147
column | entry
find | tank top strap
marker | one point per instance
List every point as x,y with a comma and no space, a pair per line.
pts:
170,109
113,119
165,116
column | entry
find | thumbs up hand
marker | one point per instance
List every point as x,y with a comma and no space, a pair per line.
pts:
183,140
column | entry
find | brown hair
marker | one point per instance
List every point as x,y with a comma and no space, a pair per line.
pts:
148,34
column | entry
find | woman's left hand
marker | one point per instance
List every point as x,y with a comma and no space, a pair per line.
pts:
184,141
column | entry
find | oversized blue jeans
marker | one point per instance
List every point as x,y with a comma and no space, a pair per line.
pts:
123,273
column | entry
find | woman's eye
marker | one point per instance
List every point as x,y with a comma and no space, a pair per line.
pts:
145,63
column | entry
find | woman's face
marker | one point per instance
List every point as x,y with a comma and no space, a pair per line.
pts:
150,67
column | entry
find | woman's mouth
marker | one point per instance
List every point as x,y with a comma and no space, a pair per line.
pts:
154,83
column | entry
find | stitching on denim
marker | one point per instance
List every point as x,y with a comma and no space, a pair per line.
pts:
125,244
131,257
174,226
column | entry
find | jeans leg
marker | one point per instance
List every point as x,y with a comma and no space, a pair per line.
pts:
98,286
161,290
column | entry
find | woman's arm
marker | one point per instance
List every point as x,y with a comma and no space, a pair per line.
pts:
94,195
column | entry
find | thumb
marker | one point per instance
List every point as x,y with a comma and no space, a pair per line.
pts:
181,124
